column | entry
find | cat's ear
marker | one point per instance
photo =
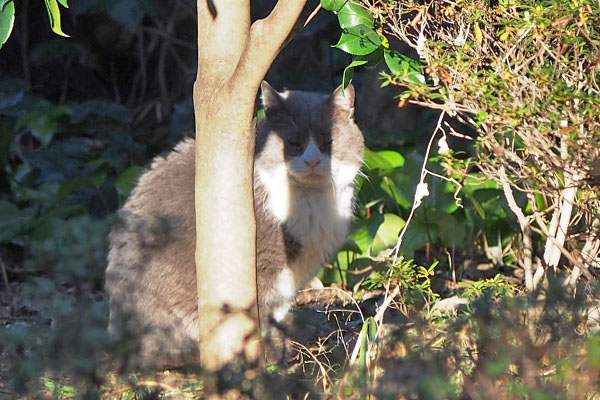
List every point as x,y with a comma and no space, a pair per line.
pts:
271,98
343,99
273,103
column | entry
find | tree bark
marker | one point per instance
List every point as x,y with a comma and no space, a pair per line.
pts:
233,58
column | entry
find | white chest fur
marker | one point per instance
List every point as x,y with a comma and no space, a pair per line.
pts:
317,218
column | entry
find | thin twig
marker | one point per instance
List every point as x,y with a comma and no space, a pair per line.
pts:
312,15
362,317
523,35
325,380
525,228
378,320
565,210
450,108
389,297
5,279
417,199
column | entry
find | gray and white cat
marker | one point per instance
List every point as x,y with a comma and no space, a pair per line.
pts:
308,153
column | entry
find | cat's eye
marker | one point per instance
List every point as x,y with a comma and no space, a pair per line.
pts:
327,145
293,143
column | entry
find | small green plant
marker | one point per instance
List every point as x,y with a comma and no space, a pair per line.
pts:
414,279
57,389
497,283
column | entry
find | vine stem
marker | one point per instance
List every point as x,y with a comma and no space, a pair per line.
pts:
419,195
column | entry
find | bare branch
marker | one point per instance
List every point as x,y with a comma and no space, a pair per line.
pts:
267,37
525,228
312,15
417,199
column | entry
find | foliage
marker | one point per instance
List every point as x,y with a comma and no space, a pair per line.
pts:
415,282
478,288
530,91
444,223
495,351
68,159
519,42
7,20
361,37
81,118
524,77
7,17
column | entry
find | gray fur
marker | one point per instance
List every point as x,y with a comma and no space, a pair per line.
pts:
150,277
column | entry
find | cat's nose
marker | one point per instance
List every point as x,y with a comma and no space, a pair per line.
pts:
312,155
312,162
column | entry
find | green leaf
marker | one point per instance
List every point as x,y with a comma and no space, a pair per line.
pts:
350,246
7,20
478,182
43,123
348,71
63,3
69,186
478,208
406,179
391,188
94,179
347,260
43,227
385,160
359,40
97,178
387,234
353,14
442,196
404,67
12,220
415,238
482,115
478,33
447,228
128,179
44,194
54,17
333,5
371,328
362,354
365,230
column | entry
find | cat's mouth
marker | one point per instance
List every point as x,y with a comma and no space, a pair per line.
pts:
310,178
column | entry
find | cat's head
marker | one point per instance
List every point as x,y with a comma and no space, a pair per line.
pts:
312,134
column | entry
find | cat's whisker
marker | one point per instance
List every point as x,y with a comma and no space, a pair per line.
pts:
364,175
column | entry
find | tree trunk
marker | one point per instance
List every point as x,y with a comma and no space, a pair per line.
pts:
233,58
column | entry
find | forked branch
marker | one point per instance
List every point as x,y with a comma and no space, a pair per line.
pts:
266,38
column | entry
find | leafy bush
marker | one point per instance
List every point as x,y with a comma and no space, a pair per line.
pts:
525,77
497,350
81,118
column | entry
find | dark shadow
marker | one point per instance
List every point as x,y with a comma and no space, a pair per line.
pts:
212,9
